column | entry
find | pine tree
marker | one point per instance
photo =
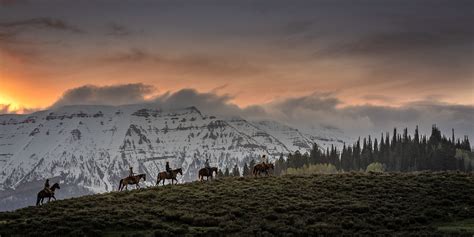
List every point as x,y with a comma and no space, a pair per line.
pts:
226,173
220,174
246,170
236,171
280,165
252,164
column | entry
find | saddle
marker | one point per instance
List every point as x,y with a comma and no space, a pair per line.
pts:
49,191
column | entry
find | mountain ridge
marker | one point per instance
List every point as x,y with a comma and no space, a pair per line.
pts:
92,146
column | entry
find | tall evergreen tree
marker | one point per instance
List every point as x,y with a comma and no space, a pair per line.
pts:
235,171
245,170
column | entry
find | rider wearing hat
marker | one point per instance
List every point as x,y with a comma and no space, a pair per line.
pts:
168,169
264,159
46,187
207,166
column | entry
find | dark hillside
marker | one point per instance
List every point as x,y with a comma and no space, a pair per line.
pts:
352,203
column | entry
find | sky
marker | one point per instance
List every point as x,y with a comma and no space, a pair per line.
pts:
358,66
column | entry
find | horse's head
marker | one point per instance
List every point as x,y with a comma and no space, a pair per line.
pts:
180,171
143,176
270,166
214,169
55,186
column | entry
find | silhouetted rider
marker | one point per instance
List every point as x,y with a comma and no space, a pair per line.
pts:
131,173
46,187
207,166
168,169
264,159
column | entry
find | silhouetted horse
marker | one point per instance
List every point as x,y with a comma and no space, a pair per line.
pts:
45,194
165,175
204,172
131,180
260,168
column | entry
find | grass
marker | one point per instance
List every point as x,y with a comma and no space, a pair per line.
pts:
464,226
333,204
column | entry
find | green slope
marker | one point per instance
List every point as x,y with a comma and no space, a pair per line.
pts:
290,205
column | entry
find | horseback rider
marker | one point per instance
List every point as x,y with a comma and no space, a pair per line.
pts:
46,187
168,169
207,166
264,160
131,173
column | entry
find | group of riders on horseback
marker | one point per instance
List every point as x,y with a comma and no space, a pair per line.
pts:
207,171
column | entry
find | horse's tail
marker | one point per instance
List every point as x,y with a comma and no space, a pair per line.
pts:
120,184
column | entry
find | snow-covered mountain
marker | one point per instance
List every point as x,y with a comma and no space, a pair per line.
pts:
89,148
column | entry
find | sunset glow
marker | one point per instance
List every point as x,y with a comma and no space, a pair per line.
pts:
311,63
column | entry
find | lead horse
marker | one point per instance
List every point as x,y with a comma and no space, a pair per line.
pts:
45,194
131,180
165,175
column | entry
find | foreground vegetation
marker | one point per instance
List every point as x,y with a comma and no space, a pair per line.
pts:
349,203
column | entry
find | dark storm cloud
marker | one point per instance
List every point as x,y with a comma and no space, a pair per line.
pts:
42,23
323,110
402,42
423,39
23,49
208,102
190,97
191,63
105,95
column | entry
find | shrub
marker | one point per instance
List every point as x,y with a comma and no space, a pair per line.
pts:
375,167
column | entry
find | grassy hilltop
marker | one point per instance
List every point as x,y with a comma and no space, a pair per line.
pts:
356,203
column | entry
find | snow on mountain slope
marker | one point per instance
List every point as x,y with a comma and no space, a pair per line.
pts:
89,148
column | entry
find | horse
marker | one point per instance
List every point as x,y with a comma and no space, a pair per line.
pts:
165,175
260,168
131,180
43,194
205,172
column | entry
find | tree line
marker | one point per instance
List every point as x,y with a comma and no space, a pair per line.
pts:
396,152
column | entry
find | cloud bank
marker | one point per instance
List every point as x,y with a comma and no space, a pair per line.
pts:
105,95
310,113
